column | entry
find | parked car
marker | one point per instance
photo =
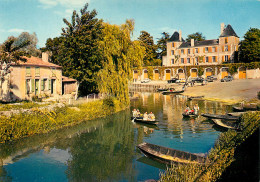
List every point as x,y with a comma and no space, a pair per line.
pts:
227,79
146,80
172,80
181,80
198,80
211,78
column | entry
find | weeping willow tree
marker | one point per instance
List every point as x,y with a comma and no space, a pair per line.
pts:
120,55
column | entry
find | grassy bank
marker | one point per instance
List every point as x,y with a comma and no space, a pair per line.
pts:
43,121
219,158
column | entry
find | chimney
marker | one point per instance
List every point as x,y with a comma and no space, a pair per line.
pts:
180,35
45,57
192,42
222,26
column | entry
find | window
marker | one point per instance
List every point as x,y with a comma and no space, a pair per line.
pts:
172,61
37,71
44,84
188,60
207,59
172,52
213,49
213,58
206,49
173,45
196,61
182,60
28,86
188,51
226,57
182,51
28,71
226,40
226,48
196,50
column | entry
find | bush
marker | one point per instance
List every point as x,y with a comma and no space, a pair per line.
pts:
258,95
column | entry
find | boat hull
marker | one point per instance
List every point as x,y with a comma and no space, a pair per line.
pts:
225,117
168,156
140,120
173,92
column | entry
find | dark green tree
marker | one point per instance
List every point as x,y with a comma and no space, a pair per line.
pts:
249,49
150,48
77,50
196,36
162,45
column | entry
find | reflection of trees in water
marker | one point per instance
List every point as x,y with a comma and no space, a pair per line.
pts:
3,175
105,154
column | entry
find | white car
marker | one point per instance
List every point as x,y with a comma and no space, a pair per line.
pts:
146,80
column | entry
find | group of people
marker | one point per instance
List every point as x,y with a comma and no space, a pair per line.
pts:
147,117
195,110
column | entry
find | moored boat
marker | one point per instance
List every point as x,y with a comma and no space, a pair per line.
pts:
169,156
215,116
162,89
222,124
195,97
172,92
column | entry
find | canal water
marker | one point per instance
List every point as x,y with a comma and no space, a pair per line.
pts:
105,149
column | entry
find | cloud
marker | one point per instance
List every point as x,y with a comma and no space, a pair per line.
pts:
66,3
17,30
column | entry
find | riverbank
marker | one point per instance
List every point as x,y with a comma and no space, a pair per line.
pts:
39,120
230,92
220,157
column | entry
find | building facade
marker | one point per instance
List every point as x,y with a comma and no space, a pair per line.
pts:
34,78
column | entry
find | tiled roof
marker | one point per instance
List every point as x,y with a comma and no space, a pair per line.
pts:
228,31
200,43
67,79
175,37
35,61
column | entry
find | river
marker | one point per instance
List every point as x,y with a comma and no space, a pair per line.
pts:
105,149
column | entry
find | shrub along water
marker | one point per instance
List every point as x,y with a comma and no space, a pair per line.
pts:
219,158
43,121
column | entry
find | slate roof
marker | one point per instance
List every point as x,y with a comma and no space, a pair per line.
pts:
228,31
200,43
175,37
35,61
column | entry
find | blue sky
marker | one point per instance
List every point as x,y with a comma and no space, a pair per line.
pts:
44,17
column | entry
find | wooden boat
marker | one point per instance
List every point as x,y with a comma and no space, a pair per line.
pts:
140,120
189,115
225,125
168,155
239,114
215,116
197,97
245,108
172,92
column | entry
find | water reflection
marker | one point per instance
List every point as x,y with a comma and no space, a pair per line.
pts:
105,149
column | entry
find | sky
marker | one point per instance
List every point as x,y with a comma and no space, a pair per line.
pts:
45,17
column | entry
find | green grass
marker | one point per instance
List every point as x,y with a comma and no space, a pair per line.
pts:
43,121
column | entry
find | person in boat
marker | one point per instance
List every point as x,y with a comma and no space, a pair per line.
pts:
187,110
151,117
134,113
138,113
145,116
172,89
196,109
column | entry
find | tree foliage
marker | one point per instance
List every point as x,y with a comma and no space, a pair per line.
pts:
150,48
77,49
120,54
196,36
162,45
249,49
